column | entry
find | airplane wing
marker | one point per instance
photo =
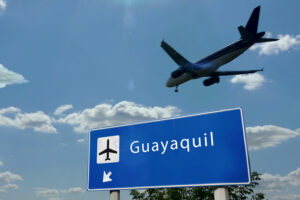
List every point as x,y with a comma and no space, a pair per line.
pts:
107,151
179,59
103,152
112,151
227,73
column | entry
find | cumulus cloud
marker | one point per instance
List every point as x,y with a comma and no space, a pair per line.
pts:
268,136
10,186
271,183
8,77
44,192
8,177
61,109
250,81
285,43
3,4
73,190
81,140
6,180
56,193
38,121
280,187
107,114
9,110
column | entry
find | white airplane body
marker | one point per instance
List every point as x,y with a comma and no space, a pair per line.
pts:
208,66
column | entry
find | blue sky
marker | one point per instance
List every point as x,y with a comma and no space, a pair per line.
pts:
70,66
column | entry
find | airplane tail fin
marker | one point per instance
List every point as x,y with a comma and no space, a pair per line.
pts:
252,23
245,35
250,31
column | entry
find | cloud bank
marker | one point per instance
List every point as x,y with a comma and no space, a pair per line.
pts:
285,43
8,77
101,115
259,137
250,81
124,112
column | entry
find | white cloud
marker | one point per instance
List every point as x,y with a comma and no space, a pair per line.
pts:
250,81
81,140
9,110
56,193
8,77
101,115
10,186
55,198
8,177
284,43
73,190
3,4
1,163
38,121
274,184
62,109
44,192
280,187
287,197
107,114
268,136
6,180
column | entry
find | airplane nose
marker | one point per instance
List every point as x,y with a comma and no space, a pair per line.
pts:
170,83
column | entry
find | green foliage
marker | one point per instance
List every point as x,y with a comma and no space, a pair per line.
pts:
200,193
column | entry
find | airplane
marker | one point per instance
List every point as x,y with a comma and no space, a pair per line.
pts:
107,151
208,66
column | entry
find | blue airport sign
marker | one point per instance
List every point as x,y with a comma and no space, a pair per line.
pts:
199,150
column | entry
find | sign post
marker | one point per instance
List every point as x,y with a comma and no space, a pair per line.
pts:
221,193
199,150
114,195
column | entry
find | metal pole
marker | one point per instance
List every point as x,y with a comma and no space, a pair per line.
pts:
114,194
221,193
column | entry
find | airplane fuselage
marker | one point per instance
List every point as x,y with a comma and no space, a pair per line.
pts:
211,63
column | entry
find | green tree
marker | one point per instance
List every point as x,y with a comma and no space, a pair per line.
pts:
200,193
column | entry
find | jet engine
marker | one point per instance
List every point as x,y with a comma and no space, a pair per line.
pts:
177,73
210,81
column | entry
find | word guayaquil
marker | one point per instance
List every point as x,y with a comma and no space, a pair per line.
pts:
162,146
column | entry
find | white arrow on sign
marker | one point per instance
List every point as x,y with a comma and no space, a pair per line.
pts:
106,177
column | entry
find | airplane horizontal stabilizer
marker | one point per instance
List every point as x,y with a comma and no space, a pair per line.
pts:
179,59
267,40
227,73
